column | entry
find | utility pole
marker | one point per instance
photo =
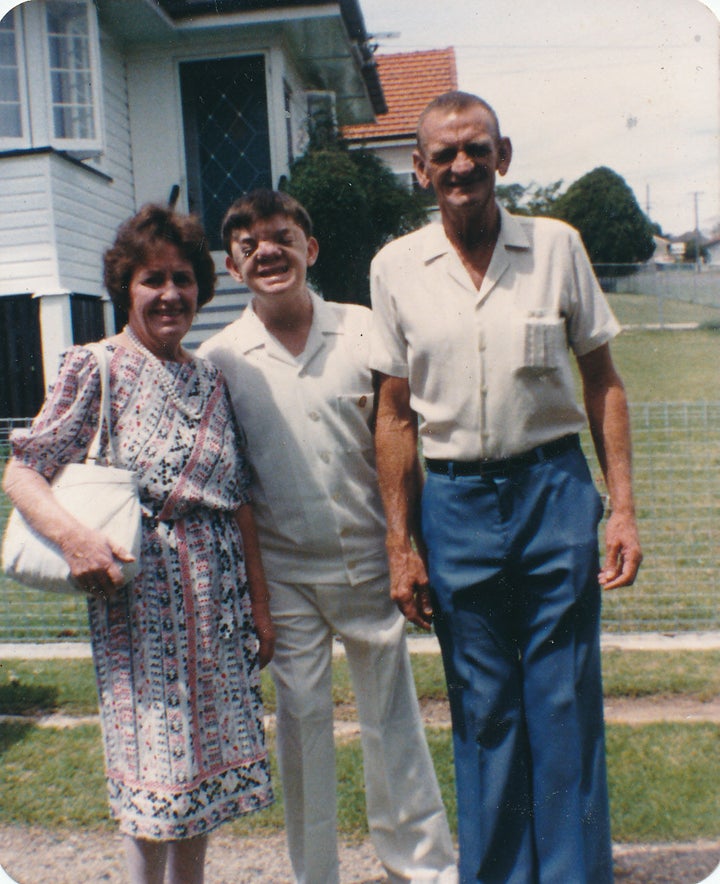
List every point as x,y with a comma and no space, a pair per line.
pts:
696,194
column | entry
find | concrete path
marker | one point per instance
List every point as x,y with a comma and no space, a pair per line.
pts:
419,644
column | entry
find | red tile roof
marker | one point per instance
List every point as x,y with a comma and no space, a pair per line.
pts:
409,81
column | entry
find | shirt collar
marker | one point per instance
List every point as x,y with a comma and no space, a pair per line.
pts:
254,334
511,235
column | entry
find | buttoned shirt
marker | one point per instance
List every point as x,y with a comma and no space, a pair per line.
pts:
489,369
307,423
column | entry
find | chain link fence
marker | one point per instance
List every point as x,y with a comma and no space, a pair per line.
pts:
677,484
664,282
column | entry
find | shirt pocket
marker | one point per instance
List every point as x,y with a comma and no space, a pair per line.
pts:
540,340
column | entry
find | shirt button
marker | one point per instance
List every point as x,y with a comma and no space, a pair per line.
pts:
344,532
325,456
314,416
362,401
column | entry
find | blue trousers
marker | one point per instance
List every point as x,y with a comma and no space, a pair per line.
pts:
513,564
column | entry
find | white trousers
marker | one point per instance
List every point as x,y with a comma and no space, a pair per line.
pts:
406,817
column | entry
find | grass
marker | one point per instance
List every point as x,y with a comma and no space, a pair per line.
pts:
668,366
41,686
662,778
54,778
648,310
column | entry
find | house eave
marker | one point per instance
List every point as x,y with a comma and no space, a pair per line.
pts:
326,40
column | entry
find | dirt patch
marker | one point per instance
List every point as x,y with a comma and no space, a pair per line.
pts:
35,856
647,710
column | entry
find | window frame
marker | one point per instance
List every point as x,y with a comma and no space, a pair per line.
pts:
77,147
11,142
37,109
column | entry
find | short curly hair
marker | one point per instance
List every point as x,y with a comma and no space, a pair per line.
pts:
139,236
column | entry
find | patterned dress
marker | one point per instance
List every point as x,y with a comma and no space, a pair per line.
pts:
175,653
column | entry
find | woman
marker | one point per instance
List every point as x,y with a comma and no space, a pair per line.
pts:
176,653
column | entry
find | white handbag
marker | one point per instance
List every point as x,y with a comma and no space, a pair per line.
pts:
102,497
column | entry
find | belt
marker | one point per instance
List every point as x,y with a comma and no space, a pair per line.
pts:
506,466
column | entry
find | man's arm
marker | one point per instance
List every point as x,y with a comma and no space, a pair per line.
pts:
606,405
400,481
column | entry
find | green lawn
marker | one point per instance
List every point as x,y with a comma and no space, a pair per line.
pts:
40,686
54,778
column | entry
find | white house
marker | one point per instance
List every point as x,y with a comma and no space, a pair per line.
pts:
109,104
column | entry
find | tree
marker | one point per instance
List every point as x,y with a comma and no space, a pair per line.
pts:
357,205
612,225
531,199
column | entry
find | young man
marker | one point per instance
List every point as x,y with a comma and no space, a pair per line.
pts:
476,319
303,393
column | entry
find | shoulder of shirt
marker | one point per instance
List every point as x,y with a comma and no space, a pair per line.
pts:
541,225
340,318
232,333
409,243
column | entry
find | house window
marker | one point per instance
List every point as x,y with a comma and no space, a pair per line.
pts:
88,318
49,73
322,119
70,69
11,109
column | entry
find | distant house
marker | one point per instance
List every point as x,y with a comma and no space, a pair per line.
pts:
662,253
409,81
712,248
108,104
684,247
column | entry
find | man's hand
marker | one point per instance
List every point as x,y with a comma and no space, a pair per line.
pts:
622,552
410,588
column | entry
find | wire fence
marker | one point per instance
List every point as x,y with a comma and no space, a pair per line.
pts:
677,484
664,282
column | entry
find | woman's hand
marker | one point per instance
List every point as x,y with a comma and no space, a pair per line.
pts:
93,561
265,631
91,556
259,594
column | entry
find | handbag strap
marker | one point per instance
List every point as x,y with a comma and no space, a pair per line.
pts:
100,353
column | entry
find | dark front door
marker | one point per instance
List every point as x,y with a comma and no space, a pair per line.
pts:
227,141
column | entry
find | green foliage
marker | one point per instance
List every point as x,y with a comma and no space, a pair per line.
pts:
604,209
357,205
531,199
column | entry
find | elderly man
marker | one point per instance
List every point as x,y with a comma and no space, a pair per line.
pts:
297,369
475,320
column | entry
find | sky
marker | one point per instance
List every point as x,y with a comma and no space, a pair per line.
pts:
577,84
629,84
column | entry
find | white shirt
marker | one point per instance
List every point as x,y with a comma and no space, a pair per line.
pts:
489,369
307,423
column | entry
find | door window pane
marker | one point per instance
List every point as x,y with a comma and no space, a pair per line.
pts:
226,134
